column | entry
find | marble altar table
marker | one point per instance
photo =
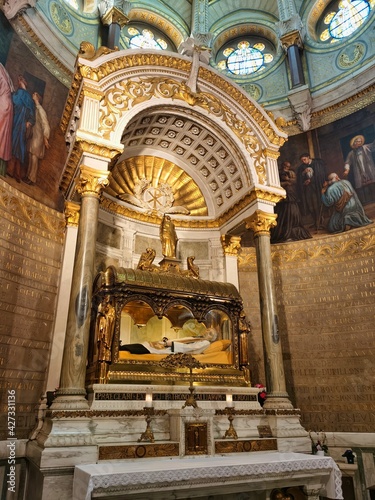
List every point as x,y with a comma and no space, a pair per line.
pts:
251,472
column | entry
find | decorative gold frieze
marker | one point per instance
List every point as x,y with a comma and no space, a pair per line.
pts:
247,260
72,213
204,377
139,451
346,245
335,112
92,93
245,445
160,22
254,195
91,181
44,221
129,61
261,222
73,414
35,38
231,244
134,93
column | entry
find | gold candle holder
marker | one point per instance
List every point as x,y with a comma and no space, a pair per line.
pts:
148,435
231,431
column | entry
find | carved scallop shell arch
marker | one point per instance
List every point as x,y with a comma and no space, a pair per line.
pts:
127,176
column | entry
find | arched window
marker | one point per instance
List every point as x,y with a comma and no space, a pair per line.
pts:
73,3
245,56
145,37
342,18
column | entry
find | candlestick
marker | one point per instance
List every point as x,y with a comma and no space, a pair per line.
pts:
148,402
230,403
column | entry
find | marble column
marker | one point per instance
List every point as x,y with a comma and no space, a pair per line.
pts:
114,16
72,218
292,44
72,393
277,397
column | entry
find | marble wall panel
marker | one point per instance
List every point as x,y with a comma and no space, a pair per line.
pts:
325,291
109,235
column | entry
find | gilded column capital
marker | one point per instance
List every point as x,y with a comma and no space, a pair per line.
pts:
231,244
261,222
92,93
81,147
271,153
114,16
91,182
72,213
291,38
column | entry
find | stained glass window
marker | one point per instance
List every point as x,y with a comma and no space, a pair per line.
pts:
145,39
73,3
244,57
343,18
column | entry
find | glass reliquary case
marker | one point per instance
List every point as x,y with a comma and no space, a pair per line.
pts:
141,317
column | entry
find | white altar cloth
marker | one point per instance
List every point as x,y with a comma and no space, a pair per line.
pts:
156,473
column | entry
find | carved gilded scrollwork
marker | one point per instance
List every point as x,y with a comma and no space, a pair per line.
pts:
261,222
128,93
231,244
72,213
91,182
245,103
123,62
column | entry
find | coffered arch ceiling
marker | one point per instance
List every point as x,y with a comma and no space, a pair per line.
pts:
198,160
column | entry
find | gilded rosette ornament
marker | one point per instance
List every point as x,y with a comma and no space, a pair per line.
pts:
231,244
91,182
72,213
261,222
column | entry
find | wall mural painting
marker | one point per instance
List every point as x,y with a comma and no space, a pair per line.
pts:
31,104
359,168
333,190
